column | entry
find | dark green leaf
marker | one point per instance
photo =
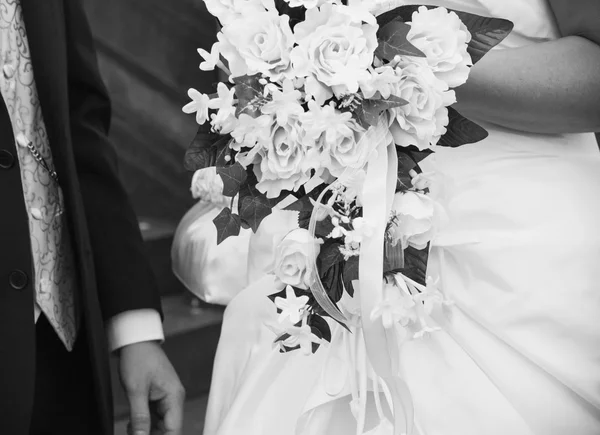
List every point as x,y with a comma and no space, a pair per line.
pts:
393,42
320,327
417,155
233,176
247,90
227,223
461,131
206,150
330,263
405,165
415,264
367,114
486,32
350,273
330,255
253,206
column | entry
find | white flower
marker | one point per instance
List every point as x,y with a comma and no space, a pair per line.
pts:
360,230
334,51
381,82
224,120
281,162
207,185
418,219
199,105
309,4
210,59
423,120
258,42
301,336
443,38
337,139
292,307
294,260
395,308
228,10
249,130
285,102
432,296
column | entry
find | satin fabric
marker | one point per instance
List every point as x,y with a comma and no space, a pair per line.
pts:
518,351
203,266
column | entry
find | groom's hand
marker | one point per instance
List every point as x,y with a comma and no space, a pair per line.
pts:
155,394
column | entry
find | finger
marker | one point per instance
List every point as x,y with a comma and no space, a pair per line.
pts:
140,413
172,407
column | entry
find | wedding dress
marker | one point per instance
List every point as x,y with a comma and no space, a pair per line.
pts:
519,349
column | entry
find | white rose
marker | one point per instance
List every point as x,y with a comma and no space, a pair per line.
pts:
337,138
417,219
227,10
249,131
207,186
334,51
280,162
258,42
294,259
443,38
423,120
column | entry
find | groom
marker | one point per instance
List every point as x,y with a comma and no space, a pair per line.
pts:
74,283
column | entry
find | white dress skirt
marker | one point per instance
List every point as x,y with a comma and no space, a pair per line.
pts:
519,351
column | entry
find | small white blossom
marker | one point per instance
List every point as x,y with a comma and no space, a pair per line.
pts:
285,102
210,59
396,307
224,121
301,336
292,307
199,105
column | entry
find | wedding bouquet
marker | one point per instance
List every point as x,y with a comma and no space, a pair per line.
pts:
329,109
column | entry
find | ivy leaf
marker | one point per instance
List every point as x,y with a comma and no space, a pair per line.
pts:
405,165
486,32
415,264
319,327
367,114
228,224
393,41
330,263
350,273
233,176
330,255
247,90
461,131
417,155
296,14
206,150
253,206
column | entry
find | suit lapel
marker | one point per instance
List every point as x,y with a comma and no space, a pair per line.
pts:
45,26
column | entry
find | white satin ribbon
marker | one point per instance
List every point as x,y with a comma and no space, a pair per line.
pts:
381,344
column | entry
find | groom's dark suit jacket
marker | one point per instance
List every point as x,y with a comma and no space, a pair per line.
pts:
114,275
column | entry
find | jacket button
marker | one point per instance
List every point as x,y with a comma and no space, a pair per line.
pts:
18,279
7,160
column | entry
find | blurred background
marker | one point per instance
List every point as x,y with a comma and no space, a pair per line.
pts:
148,59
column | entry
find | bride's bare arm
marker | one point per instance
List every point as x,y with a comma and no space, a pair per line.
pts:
550,87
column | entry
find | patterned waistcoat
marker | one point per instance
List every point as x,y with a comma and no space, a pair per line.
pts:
54,272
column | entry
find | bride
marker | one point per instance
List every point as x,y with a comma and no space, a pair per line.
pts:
519,349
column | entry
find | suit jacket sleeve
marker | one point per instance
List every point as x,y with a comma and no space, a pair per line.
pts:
124,276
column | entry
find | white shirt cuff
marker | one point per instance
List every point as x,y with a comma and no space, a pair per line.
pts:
134,326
